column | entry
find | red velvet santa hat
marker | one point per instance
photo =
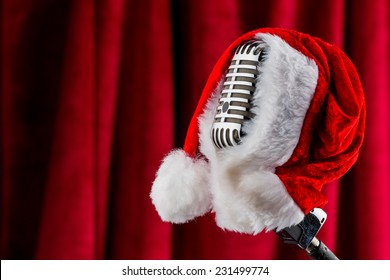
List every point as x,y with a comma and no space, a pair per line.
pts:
308,128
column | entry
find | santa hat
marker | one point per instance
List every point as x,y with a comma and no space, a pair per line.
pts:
307,131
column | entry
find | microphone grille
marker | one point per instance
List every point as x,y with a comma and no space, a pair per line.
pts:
235,102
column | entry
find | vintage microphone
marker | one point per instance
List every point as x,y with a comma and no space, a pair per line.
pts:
235,102
233,110
281,115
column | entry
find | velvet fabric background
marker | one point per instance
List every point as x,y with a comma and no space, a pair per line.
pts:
95,93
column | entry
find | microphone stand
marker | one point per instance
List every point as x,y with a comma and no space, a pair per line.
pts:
304,236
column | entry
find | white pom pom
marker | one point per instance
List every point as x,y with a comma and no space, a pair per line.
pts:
181,189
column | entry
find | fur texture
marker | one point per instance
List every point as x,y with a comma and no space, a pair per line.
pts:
247,195
240,183
181,190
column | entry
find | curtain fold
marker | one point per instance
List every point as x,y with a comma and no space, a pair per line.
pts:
94,93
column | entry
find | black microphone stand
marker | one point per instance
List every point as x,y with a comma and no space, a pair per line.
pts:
304,236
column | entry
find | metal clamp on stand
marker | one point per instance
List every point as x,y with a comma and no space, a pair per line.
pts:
304,235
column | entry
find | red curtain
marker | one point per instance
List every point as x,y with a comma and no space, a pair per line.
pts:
95,92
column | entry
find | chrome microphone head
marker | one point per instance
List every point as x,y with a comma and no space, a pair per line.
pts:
235,104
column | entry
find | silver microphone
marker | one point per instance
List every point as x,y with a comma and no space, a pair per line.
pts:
235,102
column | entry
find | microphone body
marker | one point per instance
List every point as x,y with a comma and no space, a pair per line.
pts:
235,102
233,109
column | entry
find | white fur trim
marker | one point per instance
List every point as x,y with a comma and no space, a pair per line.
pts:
247,195
181,189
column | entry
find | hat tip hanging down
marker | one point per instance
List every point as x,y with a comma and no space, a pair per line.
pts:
274,177
181,190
